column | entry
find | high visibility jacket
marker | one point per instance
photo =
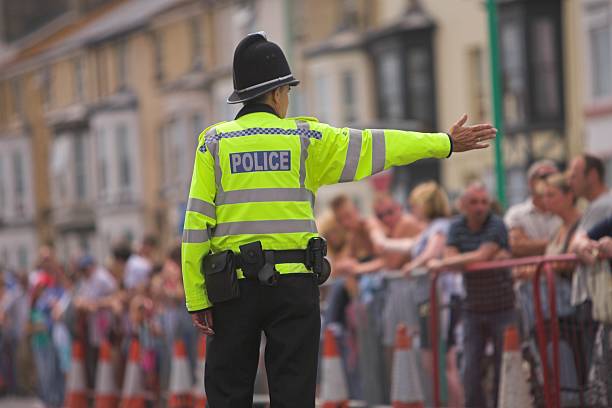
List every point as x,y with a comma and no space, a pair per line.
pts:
255,179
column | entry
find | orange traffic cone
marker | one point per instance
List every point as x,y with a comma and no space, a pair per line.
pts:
513,389
334,391
76,389
180,378
107,394
132,395
406,388
199,389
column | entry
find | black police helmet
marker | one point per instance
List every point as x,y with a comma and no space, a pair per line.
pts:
259,66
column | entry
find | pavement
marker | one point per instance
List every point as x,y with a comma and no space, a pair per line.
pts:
12,402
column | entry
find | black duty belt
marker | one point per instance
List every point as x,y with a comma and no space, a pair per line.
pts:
281,256
259,264
220,268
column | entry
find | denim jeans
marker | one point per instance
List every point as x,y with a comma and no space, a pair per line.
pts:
50,378
478,329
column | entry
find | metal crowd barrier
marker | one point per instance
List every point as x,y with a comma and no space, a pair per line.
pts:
578,330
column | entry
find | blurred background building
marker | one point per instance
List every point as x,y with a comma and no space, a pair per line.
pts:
102,101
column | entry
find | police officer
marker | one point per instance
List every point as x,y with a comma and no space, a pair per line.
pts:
252,259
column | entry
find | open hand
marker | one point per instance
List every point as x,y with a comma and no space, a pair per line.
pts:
466,138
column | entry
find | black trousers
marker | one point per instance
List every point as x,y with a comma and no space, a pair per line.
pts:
288,314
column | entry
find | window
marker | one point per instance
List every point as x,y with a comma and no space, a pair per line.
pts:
546,98
122,68
22,255
196,43
59,167
16,90
322,102
601,61
19,186
476,84
46,79
516,188
128,236
78,80
391,101
123,156
532,68
514,75
102,162
83,243
419,85
101,70
158,43
349,14
80,170
349,104
175,150
244,18
197,126
2,187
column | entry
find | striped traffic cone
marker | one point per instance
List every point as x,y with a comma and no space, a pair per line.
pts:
334,391
406,388
513,389
180,378
132,395
76,389
107,394
199,389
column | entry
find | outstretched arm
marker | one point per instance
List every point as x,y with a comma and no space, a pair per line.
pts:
344,155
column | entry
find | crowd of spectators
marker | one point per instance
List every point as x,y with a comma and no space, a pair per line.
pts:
382,269
137,295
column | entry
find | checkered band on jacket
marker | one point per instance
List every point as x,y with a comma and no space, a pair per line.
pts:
261,131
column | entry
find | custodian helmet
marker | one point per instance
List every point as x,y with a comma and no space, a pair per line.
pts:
259,66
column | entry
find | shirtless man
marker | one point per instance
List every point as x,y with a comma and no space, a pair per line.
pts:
361,255
395,224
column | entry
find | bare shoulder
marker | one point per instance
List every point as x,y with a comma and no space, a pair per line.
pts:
408,226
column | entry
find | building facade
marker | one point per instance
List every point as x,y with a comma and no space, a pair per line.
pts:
101,104
597,40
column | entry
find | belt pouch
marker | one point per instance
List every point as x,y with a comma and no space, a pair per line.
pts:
252,259
221,280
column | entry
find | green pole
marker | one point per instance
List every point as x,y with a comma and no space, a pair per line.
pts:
498,116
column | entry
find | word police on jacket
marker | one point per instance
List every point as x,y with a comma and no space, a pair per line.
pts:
247,162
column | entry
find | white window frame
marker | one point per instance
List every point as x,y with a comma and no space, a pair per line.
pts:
17,208
597,14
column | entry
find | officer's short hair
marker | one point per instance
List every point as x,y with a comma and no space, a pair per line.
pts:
259,99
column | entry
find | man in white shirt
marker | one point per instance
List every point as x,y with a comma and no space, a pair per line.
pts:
530,225
587,178
139,265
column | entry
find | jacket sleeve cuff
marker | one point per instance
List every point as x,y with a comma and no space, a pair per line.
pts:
193,307
450,141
